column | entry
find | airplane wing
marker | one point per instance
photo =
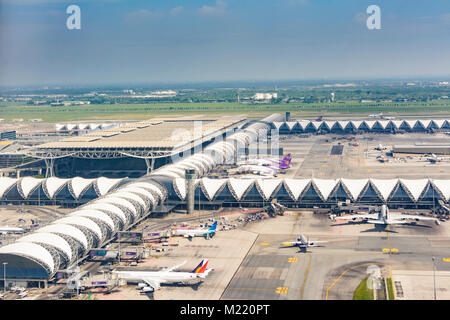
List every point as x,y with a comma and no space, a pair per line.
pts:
155,284
293,243
188,235
173,268
356,216
411,217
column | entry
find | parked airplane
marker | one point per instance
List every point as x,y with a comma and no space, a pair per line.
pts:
267,162
190,233
6,230
319,119
433,158
150,281
384,218
271,171
380,116
380,147
302,243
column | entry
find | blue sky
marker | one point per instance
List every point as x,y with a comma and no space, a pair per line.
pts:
153,41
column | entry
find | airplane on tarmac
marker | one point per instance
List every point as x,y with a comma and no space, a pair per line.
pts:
302,243
150,281
190,233
271,171
6,230
384,218
380,116
319,119
433,158
380,147
267,162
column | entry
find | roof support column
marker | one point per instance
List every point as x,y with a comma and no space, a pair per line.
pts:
49,164
150,163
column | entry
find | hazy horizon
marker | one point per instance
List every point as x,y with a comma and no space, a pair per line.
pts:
214,41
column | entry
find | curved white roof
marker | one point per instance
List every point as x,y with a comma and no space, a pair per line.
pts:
95,214
325,186
143,192
120,201
268,186
32,250
5,184
354,186
296,186
178,171
238,186
84,222
68,230
415,187
108,207
168,173
27,185
443,186
50,239
130,196
104,185
149,186
384,186
180,187
211,186
53,185
79,185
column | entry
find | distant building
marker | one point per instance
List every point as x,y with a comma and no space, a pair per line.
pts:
8,135
265,96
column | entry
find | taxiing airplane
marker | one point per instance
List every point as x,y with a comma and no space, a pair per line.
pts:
302,243
433,158
6,230
384,218
150,281
319,119
190,233
380,116
267,162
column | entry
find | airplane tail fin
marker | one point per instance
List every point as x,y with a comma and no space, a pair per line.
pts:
213,227
201,268
287,159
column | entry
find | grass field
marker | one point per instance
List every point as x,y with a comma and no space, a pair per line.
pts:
362,292
145,111
390,288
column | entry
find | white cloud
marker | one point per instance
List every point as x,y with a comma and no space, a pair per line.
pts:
217,10
176,11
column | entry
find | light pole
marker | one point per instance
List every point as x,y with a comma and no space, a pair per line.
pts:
4,276
434,278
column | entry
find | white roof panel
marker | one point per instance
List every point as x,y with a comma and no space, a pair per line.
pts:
383,123
385,186
148,186
104,185
143,192
277,124
130,196
416,187
397,123
291,124
325,186
356,123
27,185
444,187
411,123
32,250
268,186
84,222
211,186
108,207
239,186
95,214
370,123
425,123
120,201
354,186
439,123
179,185
296,186
79,185
5,184
50,239
54,184
67,230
